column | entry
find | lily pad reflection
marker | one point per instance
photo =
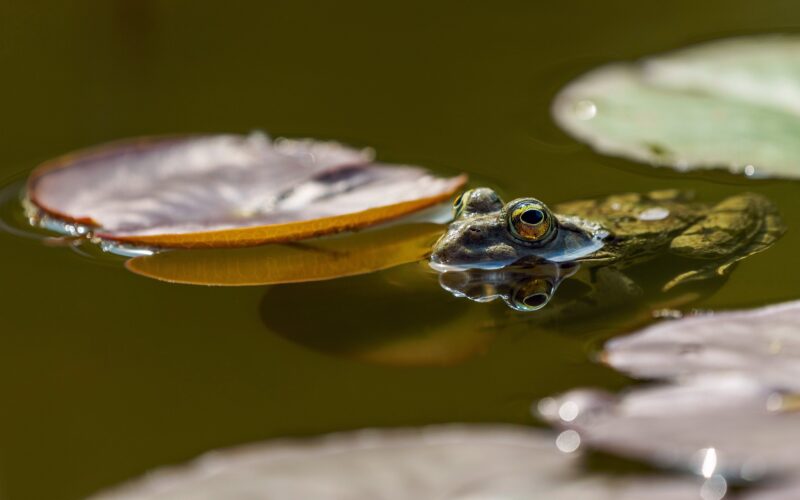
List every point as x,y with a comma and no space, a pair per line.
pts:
417,324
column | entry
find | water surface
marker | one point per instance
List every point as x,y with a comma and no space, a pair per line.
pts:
105,374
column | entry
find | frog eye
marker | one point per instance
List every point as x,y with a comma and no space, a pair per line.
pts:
530,220
458,204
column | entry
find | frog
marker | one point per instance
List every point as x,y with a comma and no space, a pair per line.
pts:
488,238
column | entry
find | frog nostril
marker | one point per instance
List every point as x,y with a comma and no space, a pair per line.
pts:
474,234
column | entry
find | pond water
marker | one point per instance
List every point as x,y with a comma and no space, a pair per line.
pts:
106,374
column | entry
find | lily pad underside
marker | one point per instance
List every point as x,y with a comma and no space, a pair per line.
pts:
317,260
229,191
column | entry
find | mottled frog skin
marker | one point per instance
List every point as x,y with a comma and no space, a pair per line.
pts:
614,232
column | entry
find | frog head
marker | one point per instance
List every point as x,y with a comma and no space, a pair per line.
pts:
485,233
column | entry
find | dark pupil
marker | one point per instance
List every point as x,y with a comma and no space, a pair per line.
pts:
458,200
532,217
535,300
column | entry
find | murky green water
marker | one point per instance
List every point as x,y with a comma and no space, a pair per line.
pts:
105,374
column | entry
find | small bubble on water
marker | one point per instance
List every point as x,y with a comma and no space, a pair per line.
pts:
749,170
714,488
568,411
568,441
667,313
774,402
585,109
547,407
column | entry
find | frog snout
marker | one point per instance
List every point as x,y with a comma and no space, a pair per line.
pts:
449,252
466,245
458,244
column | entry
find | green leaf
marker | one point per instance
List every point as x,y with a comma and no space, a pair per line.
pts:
731,104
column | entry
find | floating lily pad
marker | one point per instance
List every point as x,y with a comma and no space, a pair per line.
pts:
762,343
781,490
715,425
228,191
448,462
731,103
316,260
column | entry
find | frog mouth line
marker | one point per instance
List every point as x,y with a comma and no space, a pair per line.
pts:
582,252
443,268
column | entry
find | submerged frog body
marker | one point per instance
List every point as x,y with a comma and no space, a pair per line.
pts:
614,232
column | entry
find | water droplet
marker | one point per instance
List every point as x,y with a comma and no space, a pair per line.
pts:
667,313
547,407
709,464
568,411
749,170
568,441
714,488
681,165
585,109
774,402
655,213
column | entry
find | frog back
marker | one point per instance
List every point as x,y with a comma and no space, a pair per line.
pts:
639,224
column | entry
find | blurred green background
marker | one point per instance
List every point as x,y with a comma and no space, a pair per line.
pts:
105,375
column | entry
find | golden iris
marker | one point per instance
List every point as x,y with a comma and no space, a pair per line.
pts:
530,220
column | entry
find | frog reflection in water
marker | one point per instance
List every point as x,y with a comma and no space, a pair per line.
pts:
521,251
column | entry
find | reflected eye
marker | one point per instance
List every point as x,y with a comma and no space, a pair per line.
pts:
530,220
532,295
536,300
458,204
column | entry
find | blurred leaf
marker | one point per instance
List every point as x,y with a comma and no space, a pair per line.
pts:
229,191
779,490
751,429
316,260
731,103
762,343
440,462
